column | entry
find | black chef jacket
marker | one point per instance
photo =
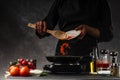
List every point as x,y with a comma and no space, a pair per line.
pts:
68,14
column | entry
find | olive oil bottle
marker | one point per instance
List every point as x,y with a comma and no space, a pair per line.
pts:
95,56
93,66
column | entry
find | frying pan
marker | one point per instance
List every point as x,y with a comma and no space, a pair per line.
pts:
68,59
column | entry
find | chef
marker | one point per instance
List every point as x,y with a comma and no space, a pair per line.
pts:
91,17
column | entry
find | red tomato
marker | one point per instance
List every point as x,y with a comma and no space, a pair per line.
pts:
30,64
10,68
18,65
14,71
21,59
24,71
24,62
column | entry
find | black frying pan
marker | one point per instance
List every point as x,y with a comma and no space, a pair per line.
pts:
68,59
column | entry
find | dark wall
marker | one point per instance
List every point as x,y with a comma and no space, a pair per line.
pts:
17,40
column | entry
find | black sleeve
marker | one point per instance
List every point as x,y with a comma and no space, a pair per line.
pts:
51,19
105,25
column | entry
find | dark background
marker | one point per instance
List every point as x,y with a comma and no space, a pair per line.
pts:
17,40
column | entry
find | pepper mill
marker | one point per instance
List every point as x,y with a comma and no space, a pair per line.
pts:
114,65
114,56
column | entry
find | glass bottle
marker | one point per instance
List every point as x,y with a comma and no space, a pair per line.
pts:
95,56
105,59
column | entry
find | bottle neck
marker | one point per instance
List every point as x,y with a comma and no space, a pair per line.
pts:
95,53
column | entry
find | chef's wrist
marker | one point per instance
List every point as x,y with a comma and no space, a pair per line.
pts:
92,31
87,29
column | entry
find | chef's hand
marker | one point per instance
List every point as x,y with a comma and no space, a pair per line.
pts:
82,29
41,27
86,29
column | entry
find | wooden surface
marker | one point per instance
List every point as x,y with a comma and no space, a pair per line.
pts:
66,77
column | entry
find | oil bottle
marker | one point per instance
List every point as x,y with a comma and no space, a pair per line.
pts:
95,56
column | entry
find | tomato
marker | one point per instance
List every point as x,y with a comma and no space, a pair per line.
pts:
24,71
14,71
30,64
10,68
21,59
18,65
24,62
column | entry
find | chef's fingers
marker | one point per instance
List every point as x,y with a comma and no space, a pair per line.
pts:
41,26
79,27
81,36
37,26
44,26
37,23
